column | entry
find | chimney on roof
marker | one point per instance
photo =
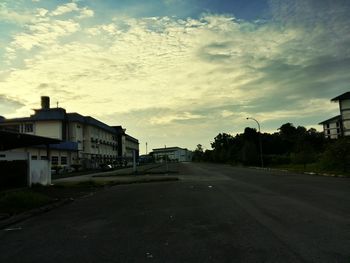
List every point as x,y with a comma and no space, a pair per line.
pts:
45,102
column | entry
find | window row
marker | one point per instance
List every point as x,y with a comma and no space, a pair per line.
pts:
54,159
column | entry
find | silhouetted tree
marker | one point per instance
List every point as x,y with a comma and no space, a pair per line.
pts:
198,153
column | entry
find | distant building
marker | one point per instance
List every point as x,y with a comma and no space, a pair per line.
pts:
339,125
175,154
86,141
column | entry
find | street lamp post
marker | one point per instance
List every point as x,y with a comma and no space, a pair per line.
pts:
260,144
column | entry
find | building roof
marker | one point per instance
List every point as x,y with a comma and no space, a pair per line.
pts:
119,129
92,121
12,140
168,149
60,115
49,114
331,120
130,138
344,96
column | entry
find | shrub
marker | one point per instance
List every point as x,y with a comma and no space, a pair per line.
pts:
337,155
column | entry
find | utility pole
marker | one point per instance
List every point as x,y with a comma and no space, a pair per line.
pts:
146,149
134,169
166,159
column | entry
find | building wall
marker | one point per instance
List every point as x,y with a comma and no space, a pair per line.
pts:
180,155
332,130
76,134
97,142
51,129
130,147
345,112
96,145
58,157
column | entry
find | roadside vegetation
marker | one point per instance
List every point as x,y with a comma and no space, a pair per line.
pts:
293,148
17,201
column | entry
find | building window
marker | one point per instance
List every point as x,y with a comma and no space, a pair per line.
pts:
63,160
54,160
327,126
34,157
328,132
14,128
43,157
338,124
28,127
338,131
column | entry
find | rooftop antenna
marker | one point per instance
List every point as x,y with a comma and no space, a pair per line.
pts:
57,104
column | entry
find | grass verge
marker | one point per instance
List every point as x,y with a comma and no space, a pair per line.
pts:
15,202
23,200
311,168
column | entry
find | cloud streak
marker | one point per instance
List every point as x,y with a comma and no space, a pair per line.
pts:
179,77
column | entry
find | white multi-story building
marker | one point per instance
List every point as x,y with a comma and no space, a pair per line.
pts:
339,125
175,154
85,140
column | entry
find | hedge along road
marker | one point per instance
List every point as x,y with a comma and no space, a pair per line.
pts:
215,213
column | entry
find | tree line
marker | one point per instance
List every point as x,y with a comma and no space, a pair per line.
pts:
289,145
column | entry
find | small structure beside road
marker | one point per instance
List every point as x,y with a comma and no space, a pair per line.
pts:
173,154
18,169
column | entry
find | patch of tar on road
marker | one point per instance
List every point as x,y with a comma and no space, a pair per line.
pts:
204,178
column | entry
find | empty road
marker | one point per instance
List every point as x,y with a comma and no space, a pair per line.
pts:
215,213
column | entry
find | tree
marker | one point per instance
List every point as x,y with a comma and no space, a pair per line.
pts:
198,153
249,153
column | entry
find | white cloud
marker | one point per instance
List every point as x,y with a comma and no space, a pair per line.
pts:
12,16
73,7
85,12
44,33
42,12
208,72
166,119
64,9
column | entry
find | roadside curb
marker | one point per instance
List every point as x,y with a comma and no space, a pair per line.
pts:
37,211
295,172
145,180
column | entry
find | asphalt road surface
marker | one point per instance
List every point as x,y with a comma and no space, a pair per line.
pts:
216,213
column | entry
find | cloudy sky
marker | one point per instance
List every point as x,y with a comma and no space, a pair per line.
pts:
177,72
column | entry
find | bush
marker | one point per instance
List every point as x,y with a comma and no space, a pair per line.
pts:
19,201
337,155
274,159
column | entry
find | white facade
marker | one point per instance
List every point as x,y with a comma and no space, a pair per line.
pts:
85,140
175,154
332,128
345,113
339,126
131,146
50,129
